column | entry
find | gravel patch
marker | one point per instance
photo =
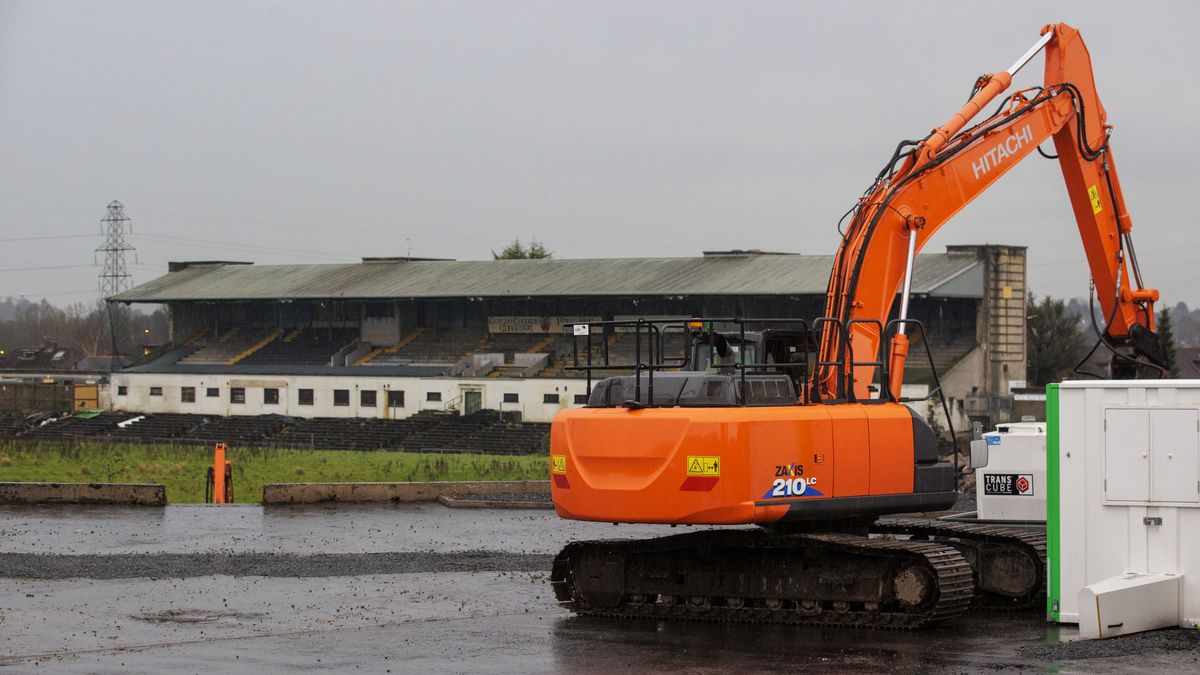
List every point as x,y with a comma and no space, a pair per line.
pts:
965,502
1168,640
181,565
541,497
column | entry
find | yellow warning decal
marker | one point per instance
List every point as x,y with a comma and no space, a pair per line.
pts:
558,463
1094,195
703,466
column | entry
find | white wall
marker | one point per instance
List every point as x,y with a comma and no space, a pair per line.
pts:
530,393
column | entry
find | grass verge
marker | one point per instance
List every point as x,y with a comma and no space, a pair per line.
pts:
182,468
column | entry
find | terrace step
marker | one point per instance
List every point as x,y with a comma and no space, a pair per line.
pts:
255,347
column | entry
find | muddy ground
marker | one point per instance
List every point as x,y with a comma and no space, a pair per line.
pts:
423,588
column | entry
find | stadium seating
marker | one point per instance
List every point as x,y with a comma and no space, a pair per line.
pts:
504,438
163,426
313,346
340,433
452,428
515,342
238,431
445,346
485,431
622,349
12,423
222,350
76,428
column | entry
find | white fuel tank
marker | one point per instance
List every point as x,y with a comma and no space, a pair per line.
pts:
1010,472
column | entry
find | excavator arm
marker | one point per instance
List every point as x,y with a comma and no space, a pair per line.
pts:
928,181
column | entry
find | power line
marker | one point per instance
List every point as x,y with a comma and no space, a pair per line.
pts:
49,236
254,248
17,212
397,233
334,228
44,268
45,294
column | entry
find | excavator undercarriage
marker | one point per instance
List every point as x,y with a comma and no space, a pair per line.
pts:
842,579
1008,564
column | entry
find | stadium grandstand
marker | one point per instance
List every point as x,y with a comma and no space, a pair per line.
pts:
398,338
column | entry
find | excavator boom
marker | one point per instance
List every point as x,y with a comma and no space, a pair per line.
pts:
953,165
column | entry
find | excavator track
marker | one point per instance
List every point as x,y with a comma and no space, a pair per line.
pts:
1009,565
754,576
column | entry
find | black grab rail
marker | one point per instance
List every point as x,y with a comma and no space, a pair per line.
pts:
652,334
650,355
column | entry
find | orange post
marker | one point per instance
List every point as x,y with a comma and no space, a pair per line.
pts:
219,474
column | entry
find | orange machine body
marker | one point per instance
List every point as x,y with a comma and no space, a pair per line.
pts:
731,465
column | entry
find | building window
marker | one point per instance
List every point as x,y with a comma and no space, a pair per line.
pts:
366,398
306,397
213,392
512,397
396,398
156,391
580,399
187,394
237,395
433,396
270,396
341,397
122,390
549,398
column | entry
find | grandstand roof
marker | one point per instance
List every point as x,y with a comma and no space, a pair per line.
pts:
952,273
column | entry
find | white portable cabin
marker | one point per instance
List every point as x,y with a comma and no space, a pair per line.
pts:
1123,511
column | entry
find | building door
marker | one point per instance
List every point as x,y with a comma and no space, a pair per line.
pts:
472,401
86,396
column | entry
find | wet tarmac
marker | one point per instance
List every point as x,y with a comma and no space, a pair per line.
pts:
422,588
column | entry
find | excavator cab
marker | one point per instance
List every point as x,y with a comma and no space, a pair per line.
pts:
765,367
778,350
717,352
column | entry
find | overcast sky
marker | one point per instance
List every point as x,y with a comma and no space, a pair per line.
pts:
289,132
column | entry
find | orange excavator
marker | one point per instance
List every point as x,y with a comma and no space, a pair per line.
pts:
819,450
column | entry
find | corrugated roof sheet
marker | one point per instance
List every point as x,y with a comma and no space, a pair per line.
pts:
709,275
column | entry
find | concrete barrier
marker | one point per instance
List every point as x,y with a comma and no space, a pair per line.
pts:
132,494
311,493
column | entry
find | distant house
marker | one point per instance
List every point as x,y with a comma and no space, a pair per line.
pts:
48,357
